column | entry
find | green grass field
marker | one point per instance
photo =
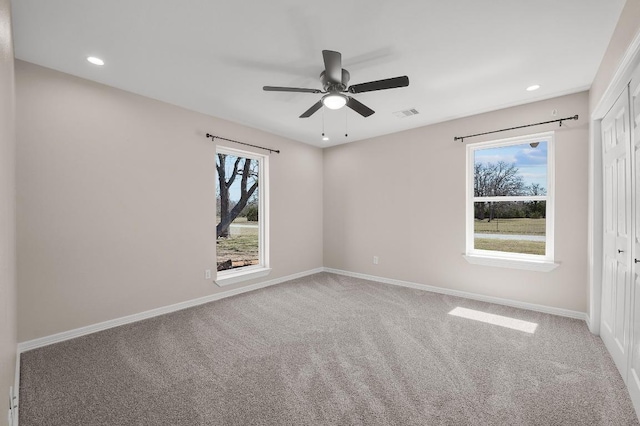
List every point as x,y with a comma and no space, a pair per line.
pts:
521,226
512,246
241,247
238,244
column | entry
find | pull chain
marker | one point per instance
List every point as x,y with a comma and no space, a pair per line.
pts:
346,123
324,138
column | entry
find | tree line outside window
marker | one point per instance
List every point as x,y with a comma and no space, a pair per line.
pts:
502,179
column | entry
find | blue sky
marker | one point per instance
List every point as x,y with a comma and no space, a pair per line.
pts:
531,162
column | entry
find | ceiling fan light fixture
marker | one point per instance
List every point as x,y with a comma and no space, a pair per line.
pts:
334,101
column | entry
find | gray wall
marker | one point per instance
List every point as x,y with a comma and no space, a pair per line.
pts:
402,197
8,288
626,29
116,205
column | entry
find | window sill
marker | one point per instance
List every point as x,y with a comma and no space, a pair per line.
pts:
233,277
502,262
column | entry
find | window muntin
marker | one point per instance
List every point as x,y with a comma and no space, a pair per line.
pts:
240,212
510,198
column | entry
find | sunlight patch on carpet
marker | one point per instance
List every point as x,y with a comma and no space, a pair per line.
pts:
514,324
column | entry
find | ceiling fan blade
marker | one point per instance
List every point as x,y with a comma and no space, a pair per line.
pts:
387,83
308,113
289,89
333,66
359,107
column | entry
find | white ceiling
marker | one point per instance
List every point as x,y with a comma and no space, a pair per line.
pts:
462,56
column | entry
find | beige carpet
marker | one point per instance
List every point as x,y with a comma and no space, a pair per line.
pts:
329,350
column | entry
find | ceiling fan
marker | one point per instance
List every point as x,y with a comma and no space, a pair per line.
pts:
334,81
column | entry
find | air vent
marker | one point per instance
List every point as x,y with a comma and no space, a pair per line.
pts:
406,113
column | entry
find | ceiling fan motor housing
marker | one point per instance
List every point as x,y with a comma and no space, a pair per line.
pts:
329,86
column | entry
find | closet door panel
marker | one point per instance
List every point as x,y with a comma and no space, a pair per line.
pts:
616,288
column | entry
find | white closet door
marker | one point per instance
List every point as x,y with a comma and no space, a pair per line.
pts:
616,285
633,381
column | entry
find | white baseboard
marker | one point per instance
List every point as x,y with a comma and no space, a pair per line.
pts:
16,391
82,331
490,299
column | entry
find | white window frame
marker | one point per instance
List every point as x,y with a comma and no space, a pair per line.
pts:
232,276
534,262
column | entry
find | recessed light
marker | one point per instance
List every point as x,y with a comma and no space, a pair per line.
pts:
532,88
95,61
325,138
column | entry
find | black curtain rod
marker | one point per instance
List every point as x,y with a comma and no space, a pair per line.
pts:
213,138
462,138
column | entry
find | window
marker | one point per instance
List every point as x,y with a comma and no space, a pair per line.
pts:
510,202
241,216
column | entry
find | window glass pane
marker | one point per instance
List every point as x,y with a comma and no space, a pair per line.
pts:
511,170
237,211
515,227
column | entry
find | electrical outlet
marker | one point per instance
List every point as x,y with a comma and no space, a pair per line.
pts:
207,274
375,260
